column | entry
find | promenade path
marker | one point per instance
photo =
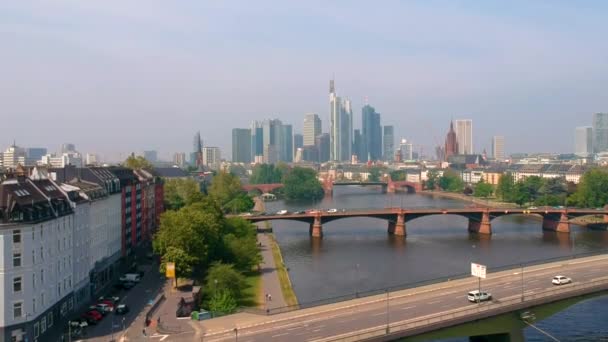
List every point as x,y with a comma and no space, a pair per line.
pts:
270,276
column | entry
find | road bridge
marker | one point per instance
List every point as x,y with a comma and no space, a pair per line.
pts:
389,315
480,219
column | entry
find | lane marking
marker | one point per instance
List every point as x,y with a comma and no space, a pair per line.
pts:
378,314
409,307
277,335
434,302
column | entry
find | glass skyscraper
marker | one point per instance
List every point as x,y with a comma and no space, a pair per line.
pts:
600,132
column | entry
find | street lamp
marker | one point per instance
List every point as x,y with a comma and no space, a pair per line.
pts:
388,329
357,280
522,282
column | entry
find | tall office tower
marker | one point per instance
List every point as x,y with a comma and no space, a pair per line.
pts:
286,143
272,136
358,144
340,126
298,142
67,148
451,143
600,132
323,146
371,132
211,157
407,150
151,156
440,153
388,143
179,159
583,141
464,135
241,145
34,154
312,128
257,142
92,159
196,157
498,147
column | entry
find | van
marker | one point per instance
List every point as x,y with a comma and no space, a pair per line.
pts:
132,277
479,296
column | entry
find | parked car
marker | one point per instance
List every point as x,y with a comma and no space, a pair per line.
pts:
333,210
299,212
245,214
125,285
79,323
312,211
282,212
561,280
92,316
100,310
121,309
133,277
111,299
478,296
533,208
105,307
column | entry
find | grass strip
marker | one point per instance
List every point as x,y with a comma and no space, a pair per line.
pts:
288,294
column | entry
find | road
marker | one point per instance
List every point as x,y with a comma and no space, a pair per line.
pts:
336,319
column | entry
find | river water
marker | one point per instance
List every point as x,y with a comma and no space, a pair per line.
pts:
357,254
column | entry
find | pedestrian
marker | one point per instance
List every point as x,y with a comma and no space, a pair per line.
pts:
269,298
158,320
144,332
266,296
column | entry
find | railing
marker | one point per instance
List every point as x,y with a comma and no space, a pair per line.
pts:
475,311
157,302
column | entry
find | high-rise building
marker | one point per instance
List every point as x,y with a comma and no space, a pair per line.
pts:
257,142
312,128
151,156
498,147
451,143
464,135
241,145
91,159
298,141
196,157
583,141
371,132
67,148
407,150
34,154
286,143
323,145
13,156
388,143
211,157
600,132
340,126
179,159
358,144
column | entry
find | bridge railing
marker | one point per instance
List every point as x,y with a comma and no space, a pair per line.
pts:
473,311
400,287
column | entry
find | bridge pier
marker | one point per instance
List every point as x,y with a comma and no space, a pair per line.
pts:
316,229
556,224
397,228
480,225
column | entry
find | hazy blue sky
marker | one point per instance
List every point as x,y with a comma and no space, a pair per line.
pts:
122,76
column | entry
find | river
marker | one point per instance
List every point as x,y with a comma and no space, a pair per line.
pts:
357,254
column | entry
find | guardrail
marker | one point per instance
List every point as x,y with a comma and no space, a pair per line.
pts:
157,302
471,312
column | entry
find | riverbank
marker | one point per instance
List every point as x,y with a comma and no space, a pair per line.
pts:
286,287
485,202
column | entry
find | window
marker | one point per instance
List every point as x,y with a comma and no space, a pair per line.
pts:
43,325
16,259
42,299
49,319
17,310
41,252
59,289
36,329
71,303
33,256
64,308
16,236
34,280
42,277
34,305
17,284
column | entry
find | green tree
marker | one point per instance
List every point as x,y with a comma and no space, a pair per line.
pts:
505,188
432,180
136,163
222,302
225,277
267,174
592,190
184,262
179,192
451,181
242,202
374,174
225,187
553,191
531,187
482,189
302,184
398,175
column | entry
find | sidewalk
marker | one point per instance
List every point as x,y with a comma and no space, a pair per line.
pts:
270,278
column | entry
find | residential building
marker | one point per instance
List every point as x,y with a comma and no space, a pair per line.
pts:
211,157
388,143
498,147
63,160
451,143
371,133
340,126
464,135
151,156
583,141
312,128
241,145
131,203
600,132
152,206
179,159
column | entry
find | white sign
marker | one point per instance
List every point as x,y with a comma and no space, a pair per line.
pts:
478,270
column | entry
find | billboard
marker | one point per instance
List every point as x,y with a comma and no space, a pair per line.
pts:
478,270
170,270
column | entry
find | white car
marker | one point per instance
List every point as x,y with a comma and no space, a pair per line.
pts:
245,214
331,211
479,296
560,280
282,212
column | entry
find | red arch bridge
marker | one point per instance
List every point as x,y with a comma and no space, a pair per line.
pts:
480,219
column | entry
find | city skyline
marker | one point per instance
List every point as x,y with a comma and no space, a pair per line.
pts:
486,62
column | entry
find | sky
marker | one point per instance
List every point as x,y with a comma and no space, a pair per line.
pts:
115,77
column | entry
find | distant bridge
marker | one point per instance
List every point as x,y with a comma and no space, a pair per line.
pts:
480,219
328,186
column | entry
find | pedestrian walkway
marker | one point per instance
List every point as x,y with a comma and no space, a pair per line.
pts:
270,277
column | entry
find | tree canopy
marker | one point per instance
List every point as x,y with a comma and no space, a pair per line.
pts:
302,184
226,189
483,189
451,181
592,191
137,162
266,174
179,192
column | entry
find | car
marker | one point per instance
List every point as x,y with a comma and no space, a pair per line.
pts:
121,309
125,285
100,310
332,211
312,211
245,214
282,212
111,299
561,280
478,296
79,323
532,208
133,277
105,306
92,316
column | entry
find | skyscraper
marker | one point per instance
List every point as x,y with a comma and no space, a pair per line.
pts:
241,145
257,142
371,132
179,159
312,128
498,147
451,143
358,143
388,143
464,136
583,141
323,145
151,156
286,143
196,157
298,142
600,132
407,150
67,148
340,126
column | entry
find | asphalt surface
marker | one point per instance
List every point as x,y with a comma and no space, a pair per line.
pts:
270,277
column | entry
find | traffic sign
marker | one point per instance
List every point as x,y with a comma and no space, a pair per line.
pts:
170,270
478,270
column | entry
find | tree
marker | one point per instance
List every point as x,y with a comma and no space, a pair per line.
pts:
482,189
374,174
242,202
302,184
554,191
222,302
592,190
531,187
184,263
225,187
179,192
398,175
225,277
451,181
137,163
506,187
267,174
432,180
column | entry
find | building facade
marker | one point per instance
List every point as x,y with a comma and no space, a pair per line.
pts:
388,143
340,126
464,135
371,134
583,141
312,128
600,132
498,147
451,143
241,145
211,157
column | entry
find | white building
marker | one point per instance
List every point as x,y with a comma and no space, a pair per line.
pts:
211,157
92,159
13,156
464,135
498,147
60,161
583,141
312,128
